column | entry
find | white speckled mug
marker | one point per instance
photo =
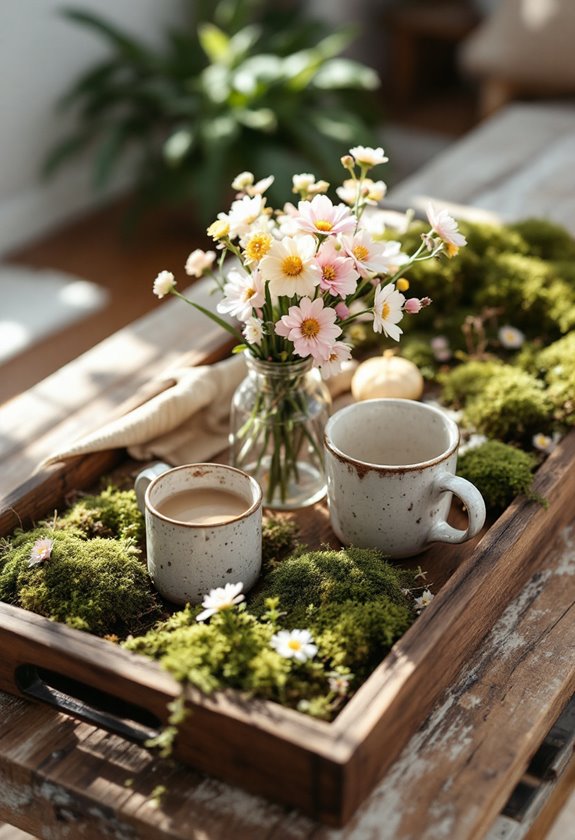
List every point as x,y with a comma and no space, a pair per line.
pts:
390,468
187,558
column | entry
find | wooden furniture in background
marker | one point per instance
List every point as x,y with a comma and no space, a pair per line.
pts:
417,30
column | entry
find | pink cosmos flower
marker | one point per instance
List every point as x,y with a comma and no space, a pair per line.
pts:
338,273
445,227
373,257
412,306
323,218
312,328
243,292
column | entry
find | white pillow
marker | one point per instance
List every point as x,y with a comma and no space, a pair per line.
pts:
529,43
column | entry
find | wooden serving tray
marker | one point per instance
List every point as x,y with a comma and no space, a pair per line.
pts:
324,769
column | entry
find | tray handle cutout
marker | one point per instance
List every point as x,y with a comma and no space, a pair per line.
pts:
126,719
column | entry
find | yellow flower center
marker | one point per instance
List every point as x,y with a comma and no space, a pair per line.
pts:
360,252
258,246
450,249
323,225
248,293
402,284
385,310
310,327
293,644
292,265
328,272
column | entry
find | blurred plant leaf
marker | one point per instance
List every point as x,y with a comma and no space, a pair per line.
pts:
345,73
215,44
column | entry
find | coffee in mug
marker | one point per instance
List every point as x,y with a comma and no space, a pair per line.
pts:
203,528
390,467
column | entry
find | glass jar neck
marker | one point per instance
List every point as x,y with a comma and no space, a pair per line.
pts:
278,370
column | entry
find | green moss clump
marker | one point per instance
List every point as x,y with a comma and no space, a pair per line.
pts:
556,363
545,239
98,585
354,604
279,538
556,358
329,592
466,381
418,350
111,513
511,407
540,299
499,471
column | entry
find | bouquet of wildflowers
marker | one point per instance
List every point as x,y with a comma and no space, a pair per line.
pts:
300,275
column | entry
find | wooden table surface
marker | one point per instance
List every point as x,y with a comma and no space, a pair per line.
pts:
60,778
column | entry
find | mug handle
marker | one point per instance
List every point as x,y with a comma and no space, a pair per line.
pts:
144,478
470,496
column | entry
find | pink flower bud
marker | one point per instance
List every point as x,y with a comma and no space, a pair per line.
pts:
342,311
412,305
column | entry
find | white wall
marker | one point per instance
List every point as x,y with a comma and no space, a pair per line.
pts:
40,55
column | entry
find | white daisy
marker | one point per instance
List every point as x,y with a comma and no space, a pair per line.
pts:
371,191
545,443
243,213
199,261
424,600
367,156
261,186
222,598
340,353
253,330
510,337
243,292
302,182
445,227
164,283
388,311
373,257
289,266
40,551
242,181
294,644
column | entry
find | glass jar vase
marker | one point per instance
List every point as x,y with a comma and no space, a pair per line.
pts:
278,414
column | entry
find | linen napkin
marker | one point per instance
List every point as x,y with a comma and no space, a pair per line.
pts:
186,423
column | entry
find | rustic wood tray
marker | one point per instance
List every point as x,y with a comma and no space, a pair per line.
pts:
324,769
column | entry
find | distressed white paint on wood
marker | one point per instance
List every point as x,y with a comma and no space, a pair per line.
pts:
517,164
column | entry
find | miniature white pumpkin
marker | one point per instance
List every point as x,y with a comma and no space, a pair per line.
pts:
387,376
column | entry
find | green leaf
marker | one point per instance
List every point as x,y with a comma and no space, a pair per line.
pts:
242,42
109,154
95,78
212,316
216,83
345,73
64,150
260,119
239,348
215,43
178,145
126,45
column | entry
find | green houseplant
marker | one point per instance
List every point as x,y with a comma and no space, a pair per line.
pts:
243,86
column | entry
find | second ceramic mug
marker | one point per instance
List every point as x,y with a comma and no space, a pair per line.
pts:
390,468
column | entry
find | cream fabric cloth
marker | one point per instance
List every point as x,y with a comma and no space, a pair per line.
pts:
185,424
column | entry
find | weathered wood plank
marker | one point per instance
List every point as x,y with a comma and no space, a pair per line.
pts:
515,164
